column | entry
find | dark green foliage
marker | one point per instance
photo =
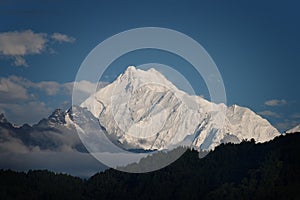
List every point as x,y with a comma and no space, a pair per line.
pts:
39,184
244,171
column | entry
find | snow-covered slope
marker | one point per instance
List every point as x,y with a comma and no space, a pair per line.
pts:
296,129
143,110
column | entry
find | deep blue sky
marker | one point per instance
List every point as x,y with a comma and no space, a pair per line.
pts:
255,45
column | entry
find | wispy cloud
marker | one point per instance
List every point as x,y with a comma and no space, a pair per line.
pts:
12,91
16,45
275,102
62,38
84,87
22,43
269,113
295,116
26,112
15,86
19,61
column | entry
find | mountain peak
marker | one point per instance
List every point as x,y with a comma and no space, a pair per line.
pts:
144,104
131,68
58,116
134,78
133,72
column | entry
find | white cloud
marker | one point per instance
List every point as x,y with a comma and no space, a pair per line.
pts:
275,102
83,89
17,44
17,87
19,103
27,112
50,87
22,43
62,38
12,91
269,114
83,86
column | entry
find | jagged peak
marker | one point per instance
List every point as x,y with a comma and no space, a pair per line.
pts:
57,116
132,73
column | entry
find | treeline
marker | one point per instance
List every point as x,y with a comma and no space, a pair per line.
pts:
242,171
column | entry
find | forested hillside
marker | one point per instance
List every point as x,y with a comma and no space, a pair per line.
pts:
233,171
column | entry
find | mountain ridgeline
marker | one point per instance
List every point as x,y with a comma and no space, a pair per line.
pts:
232,171
141,111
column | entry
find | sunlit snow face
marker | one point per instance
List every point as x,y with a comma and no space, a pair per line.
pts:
144,111
141,106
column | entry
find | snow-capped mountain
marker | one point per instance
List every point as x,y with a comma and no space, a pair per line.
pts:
296,129
143,110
